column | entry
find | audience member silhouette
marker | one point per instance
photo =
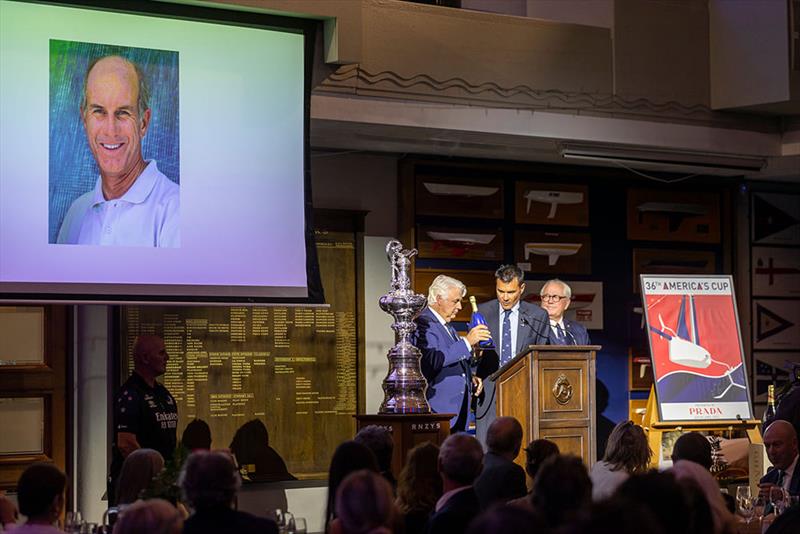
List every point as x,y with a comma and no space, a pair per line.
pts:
614,516
670,503
786,523
40,495
347,458
693,446
210,483
137,472
364,504
196,436
460,463
686,470
561,489
258,462
379,440
536,453
419,487
627,452
154,516
501,479
508,520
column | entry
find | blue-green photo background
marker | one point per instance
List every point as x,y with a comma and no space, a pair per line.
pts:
72,168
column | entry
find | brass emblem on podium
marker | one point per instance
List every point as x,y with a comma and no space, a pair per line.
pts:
562,389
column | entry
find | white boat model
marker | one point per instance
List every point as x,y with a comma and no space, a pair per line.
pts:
553,251
554,198
460,190
464,239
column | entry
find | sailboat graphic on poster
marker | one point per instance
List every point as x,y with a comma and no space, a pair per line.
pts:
696,348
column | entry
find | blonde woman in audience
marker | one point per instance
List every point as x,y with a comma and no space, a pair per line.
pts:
364,505
154,516
627,453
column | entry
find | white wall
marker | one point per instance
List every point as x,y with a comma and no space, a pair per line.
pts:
91,412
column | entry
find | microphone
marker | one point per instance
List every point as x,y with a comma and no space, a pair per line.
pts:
574,341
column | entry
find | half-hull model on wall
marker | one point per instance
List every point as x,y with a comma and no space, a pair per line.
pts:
552,204
460,243
655,215
553,252
459,197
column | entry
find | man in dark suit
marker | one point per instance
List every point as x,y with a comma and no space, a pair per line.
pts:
515,324
501,479
780,440
556,297
446,356
460,462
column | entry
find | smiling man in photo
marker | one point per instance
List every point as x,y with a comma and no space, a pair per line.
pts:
132,203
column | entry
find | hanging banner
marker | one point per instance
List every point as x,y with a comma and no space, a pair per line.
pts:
696,347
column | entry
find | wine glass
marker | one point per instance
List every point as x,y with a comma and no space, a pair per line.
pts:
777,497
73,522
759,505
746,508
296,525
742,492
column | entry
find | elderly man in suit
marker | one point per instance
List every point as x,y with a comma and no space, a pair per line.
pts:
446,356
515,324
556,297
460,462
780,440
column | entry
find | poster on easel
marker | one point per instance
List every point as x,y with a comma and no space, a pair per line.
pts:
696,347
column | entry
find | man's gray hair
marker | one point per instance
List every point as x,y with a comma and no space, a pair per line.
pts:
209,479
461,458
567,289
441,285
507,273
142,103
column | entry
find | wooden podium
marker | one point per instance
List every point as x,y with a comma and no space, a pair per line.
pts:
550,389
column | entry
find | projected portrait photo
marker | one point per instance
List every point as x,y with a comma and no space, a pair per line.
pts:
114,146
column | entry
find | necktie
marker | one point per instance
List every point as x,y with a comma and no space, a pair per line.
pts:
453,332
506,352
562,337
781,476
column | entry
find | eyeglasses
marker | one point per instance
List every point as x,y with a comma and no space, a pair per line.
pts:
555,298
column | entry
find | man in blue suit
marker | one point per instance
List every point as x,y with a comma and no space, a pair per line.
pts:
514,325
446,356
556,297
780,441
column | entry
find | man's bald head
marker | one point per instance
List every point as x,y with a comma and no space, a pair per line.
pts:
504,436
150,356
780,440
122,67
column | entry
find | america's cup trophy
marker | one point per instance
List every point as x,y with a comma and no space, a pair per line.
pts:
404,386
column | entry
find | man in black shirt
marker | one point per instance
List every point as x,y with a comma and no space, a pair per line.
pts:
145,414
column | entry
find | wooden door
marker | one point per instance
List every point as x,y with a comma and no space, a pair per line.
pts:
33,371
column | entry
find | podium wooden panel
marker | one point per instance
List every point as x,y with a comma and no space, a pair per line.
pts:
408,431
550,389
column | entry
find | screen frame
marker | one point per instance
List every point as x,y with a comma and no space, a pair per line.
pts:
51,292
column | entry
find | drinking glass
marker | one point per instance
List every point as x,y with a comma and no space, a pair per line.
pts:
742,492
297,525
759,505
777,497
73,522
745,507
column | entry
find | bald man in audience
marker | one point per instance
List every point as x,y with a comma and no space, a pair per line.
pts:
460,463
780,440
501,479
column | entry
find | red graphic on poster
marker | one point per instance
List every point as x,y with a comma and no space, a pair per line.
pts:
693,333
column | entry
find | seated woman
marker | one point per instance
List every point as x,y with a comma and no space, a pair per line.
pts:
137,472
419,487
627,452
364,504
40,493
